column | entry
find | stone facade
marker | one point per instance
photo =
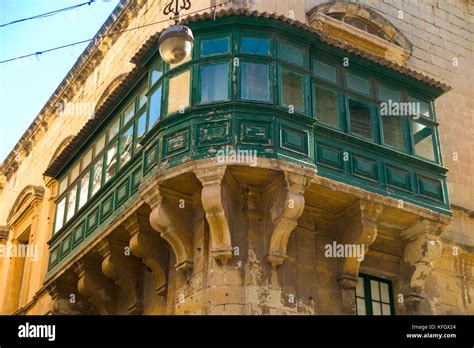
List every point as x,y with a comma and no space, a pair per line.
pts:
237,247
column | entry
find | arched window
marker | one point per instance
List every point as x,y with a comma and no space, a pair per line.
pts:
361,27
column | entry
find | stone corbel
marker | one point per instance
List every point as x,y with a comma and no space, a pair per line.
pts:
174,225
124,269
357,225
286,204
212,180
66,300
145,245
95,287
422,249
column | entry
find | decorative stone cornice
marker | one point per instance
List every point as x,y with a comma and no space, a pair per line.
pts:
27,201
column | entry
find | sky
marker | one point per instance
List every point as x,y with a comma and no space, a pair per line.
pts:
27,84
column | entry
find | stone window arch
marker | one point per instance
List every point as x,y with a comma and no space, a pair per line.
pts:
362,27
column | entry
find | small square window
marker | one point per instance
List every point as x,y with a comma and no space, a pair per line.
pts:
214,81
126,140
325,71
62,185
214,46
155,106
360,120
128,112
178,94
60,214
357,83
156,73
423,136
255,45
291,53
87,159
74,173
141,128
97,176
292,89
114,129
111,162
255,81
326,106
422,107
99,145
141,99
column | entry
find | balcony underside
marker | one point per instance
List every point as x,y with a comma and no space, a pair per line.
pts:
184,226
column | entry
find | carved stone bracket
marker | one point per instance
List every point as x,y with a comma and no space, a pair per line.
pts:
216,213
356,225
422,249
124,269
286,204
175,226
145,245
95,287
66,300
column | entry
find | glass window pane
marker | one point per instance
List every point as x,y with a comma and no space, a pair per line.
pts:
292,89
97,176
60,214
126,146
111,162
83,193
359,114
87,159
71,203
376,310
114,128
254,45
423,140
74,173
156,73
99,145
129,112
141,128
178,97
326,106
62,186
142,98
360,291
374,290
291,53
384,292
361,310
255,82
214,82
215,46
386,309
358,83
325,71
393,133
387,94
423,107
155,107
